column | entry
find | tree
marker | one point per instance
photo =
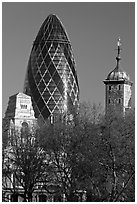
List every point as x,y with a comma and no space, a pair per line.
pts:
118,158
91,112
70,148
56,143
25,163
108,158
89,158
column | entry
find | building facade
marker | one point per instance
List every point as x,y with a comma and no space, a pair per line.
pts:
20,111
18,116
118,88
51,78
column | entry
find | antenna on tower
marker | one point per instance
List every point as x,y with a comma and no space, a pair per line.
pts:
119,42
118,58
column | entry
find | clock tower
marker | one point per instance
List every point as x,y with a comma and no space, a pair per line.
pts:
118,88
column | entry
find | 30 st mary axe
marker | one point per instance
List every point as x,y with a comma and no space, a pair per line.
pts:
51,78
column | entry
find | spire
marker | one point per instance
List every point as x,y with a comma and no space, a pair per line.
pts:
118,58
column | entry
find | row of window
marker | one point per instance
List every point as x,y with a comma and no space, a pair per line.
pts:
19,197
119,100
118,87
40,198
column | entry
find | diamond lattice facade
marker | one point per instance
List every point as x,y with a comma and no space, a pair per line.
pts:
51,78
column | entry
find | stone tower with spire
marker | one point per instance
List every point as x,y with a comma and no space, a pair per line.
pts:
118,88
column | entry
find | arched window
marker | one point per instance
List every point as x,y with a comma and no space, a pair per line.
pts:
25,124
24,127
119,100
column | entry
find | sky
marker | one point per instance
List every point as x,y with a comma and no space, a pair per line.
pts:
93,29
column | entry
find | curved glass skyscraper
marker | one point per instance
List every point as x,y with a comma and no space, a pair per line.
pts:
51,78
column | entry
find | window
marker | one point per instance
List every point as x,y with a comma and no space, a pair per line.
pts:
42,198
119,100
109,88
23,106
25,124
14,198
119,87
109,101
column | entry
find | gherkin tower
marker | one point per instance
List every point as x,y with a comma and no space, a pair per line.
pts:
51,78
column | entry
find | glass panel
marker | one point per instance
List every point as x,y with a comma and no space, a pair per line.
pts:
36,110
34,68
41,104
69,86
46,34
65,76
75,88
70,104
56,95
61,88
47,77
36,95
76,80
48,44
51,68
44,51
51,104
47,60
63,60
51,88
69,62
56,110
56,61
71,78
43,68
42,43
45,113
39,60
56,78
72,96
60,105
51,54
37,78
46,95
60,72
66,51
56,57
51,101
31,81
59,49
41,86
55,44
73,70
52,49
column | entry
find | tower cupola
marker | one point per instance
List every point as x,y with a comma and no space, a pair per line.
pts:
118,73
118,87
